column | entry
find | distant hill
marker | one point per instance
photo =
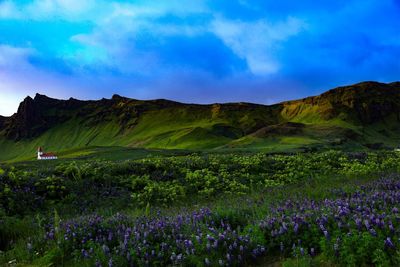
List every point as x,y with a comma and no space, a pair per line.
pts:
364,115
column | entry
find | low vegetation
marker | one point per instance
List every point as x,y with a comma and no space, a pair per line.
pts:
326,208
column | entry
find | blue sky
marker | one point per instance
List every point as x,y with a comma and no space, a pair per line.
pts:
194,51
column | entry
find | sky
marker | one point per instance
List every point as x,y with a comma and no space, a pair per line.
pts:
198,51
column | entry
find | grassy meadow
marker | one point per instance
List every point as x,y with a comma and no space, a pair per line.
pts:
137,207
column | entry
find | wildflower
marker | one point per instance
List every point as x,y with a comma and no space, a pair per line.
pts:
372,232
207,261
85,254
336,248
106,250
326,234
366,223
296,228
215,245
389,243
173,256
312,252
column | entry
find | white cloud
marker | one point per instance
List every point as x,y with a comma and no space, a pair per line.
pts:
14,57
130,25
96,11
117,28
49,9
9,10
256,42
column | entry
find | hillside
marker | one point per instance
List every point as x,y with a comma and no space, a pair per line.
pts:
362,115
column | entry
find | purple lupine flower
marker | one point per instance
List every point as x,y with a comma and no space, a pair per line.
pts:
336,248
173,256
85,254
215,245
326,234
106,250
372,232
389,243
296,228
367,225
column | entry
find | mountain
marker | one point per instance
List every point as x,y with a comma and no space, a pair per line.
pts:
364,115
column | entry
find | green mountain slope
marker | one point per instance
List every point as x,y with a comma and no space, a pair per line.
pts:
361,115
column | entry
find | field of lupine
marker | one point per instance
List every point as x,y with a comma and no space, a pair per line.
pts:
318,209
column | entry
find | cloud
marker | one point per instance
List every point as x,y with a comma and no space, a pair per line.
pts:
8,10
256,42
147,40
47,9
138,38
14,57
200,51
93,10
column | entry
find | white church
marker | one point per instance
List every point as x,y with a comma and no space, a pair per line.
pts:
45,156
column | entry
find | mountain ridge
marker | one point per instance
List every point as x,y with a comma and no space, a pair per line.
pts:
355,115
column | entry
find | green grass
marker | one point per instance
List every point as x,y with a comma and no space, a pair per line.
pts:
195,127
111,153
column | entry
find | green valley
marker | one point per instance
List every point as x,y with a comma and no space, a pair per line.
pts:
360,116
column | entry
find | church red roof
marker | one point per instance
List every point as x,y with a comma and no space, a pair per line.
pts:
49,154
